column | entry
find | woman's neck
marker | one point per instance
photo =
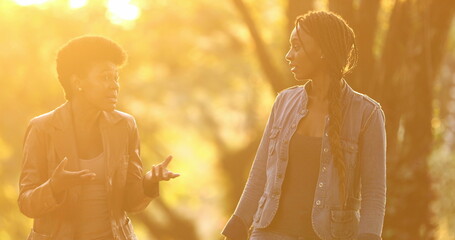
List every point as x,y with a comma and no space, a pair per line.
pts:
85,116
319,88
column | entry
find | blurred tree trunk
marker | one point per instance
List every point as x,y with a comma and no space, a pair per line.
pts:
344,8
417,37
271,71
366,27
174,226
296,8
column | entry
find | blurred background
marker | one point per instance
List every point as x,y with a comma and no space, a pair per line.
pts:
201,79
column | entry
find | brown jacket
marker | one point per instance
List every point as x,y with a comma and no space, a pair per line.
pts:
49,139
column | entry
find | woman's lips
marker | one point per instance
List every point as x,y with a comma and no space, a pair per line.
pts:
112,99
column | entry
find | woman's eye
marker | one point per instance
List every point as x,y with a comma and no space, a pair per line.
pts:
110,78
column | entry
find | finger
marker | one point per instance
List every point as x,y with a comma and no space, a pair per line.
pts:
77,173
165,173
160,171
61,166
154,171
170,175
166,161
88,177
173,175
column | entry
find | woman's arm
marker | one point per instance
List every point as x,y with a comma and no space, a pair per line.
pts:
35,193
238,225
138,194
372,157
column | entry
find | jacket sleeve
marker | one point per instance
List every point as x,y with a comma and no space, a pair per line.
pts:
238,225
372,158
35,194
137,193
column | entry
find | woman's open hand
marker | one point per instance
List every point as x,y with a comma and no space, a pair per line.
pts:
62,179
160,173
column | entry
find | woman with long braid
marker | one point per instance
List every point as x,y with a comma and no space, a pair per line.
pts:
320,170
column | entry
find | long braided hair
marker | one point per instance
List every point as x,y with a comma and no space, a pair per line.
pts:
337,42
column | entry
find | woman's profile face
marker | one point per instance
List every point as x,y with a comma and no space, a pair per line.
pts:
304,55
100,85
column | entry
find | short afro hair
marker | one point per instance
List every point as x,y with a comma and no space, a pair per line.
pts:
76,56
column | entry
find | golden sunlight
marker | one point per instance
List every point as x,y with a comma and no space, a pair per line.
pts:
77,3
120,11
30,2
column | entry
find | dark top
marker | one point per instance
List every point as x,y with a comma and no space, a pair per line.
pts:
293,216
92,220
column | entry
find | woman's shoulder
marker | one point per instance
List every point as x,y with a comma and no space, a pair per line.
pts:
292,90
290,93
123,115
42,120
117,115
366,106
365,100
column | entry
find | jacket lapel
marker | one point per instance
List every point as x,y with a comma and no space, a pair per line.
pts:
63,137
114,137
64,141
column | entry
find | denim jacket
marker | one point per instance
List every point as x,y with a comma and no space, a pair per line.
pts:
49,139
363,140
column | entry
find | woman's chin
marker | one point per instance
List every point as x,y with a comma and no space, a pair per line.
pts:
108,107
300,77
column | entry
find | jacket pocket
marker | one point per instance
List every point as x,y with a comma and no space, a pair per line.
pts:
128,229
343,224
350,150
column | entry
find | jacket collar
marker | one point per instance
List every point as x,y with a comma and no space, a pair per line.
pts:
62,117
346,91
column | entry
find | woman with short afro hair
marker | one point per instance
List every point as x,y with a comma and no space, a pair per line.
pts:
81,169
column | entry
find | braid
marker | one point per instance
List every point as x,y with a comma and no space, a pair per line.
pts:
337,42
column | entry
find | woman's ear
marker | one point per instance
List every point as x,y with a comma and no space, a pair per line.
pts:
75,84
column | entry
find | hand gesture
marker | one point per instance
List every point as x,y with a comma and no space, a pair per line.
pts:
62,179
160,173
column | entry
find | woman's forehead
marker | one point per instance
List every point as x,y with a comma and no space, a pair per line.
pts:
300,34
105,66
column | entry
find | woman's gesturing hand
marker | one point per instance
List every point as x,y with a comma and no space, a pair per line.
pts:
62,179
160,173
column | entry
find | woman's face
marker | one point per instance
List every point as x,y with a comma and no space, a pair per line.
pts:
100,86
304,56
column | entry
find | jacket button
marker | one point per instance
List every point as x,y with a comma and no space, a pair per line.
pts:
318,202
323,169
321,184
326,134
326,149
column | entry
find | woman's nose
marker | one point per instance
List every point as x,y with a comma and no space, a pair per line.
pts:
288,56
